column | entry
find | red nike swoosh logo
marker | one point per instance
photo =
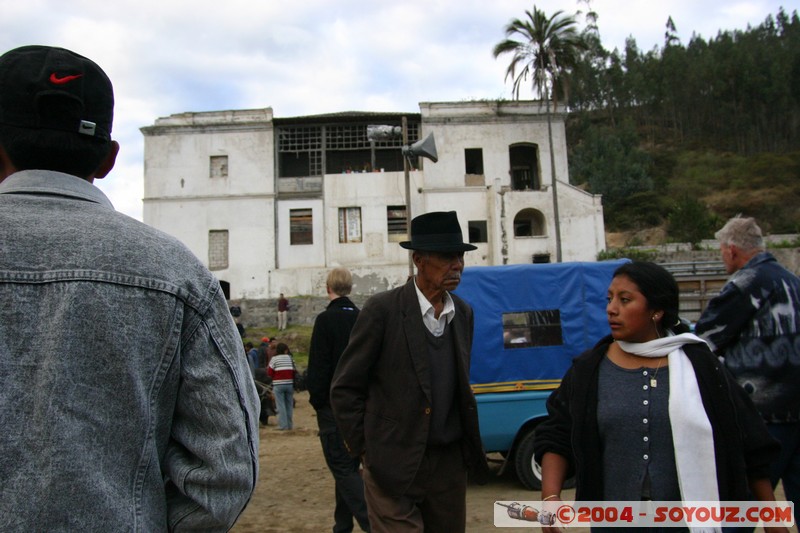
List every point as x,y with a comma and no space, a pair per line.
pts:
66,79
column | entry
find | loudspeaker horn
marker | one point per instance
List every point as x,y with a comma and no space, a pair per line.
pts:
425,148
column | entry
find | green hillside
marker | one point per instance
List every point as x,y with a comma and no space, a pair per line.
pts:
688,135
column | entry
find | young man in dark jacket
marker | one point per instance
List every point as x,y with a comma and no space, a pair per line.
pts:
328,341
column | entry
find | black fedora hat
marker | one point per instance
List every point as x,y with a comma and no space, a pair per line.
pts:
438,231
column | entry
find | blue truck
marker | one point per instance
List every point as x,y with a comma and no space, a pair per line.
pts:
530,321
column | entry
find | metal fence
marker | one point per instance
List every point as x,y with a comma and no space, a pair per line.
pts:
698,282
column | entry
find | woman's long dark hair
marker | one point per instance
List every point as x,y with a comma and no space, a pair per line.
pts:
659,288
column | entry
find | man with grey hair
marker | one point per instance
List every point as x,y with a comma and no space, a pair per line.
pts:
401,394
754,324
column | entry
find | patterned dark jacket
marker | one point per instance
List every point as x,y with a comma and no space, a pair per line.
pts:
754,324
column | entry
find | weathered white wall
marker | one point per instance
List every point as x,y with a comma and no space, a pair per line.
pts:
470,204
182,199
250,236
492,126
495,127
582,227
300,255
178,151
372,192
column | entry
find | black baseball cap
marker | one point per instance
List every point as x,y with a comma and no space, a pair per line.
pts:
43,87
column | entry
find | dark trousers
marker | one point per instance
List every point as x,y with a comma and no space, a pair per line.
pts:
435,502
787,467
350,502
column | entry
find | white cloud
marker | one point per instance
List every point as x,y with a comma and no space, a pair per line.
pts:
314,56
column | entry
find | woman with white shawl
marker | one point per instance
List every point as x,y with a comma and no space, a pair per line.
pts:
650,413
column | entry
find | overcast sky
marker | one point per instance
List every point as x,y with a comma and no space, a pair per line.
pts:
304,57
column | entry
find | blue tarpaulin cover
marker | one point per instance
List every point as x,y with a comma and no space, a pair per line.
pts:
576,290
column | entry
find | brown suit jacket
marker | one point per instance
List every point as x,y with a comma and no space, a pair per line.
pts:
381,390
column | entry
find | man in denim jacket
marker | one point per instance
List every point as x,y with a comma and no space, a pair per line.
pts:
126,401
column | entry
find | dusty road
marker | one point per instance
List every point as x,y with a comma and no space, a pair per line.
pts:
295,490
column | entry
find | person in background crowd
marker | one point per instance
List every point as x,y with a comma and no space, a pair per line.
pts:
754,324
260,373
252,357
272,349
138,411
328,340
281,370
236,313
401,394
283,312
649,413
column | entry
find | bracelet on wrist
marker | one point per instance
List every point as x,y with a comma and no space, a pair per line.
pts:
551,496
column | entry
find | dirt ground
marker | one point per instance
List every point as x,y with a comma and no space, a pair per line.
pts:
295,488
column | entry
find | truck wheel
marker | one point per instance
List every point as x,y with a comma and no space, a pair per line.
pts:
528,470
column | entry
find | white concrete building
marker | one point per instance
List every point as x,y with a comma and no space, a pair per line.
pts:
271,204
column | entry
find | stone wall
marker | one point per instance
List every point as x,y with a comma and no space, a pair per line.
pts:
788,257
302,310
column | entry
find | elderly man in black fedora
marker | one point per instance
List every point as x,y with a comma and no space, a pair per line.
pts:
401,393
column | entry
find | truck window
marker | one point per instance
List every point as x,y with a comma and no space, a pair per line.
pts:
528,329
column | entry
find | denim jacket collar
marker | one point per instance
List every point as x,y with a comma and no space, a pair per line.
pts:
51,182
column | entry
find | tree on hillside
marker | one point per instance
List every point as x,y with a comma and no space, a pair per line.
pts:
737,91
691,221
544,49
589,80
609,161
735,94
671,35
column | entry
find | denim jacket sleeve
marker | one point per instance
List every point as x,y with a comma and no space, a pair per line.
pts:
212,458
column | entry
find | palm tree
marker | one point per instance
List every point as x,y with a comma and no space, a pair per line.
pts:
545,50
